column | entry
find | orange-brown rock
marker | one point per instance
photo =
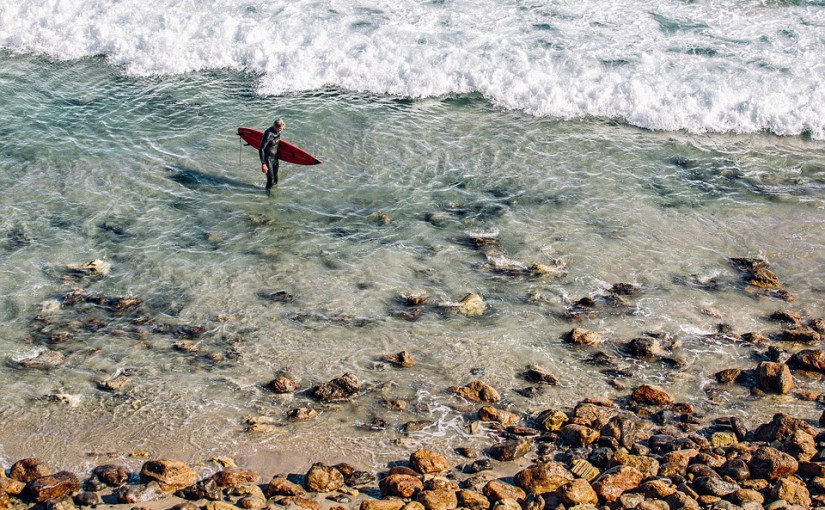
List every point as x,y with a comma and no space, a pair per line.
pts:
774,377
234,477
401,485
578,492
323,478
489,413
478,391
472,500
29,469
381,504
543,478
438,499
280,486
171,475
616,481
496,490
54,486
428,462
652,395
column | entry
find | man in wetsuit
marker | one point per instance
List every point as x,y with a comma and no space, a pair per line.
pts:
268,151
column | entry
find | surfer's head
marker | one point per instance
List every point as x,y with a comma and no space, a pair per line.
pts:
278,124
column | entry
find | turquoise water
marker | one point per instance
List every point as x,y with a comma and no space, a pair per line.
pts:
147,174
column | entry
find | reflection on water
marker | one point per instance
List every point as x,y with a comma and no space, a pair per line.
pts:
236,286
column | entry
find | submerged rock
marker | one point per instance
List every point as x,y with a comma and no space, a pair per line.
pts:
338,389
402,359
581,336
46,360
97,267
477,391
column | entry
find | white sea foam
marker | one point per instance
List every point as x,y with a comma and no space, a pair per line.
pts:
729,66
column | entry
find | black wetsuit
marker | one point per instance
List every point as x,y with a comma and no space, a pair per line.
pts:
268,152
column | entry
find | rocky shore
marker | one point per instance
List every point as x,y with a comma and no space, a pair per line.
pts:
644,452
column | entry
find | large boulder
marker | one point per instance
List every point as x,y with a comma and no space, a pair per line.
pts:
171,475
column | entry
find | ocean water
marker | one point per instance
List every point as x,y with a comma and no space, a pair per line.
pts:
643,144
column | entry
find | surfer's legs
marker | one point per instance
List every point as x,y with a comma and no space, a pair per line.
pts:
272,174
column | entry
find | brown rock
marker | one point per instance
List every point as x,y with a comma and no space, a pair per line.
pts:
578,492
511,450
381,504
780,428
140,493
539,375
338,389
543,478
489,413
809,359
507,504
648,466
26,470
400,485
428,462
299,501
282,385
744,495
792,491
774,377
579,336
583,469
438,499
657,489
477,391
496,490
472,500
727,376
800,445
653,395
615,481
621,428
301,414
112,475
11,486
171,475
770,463
801,334
280,486
402,359
54,486
234,477
323,478
681,457
578,435
552,419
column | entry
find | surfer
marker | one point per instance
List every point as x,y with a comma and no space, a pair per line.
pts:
268,151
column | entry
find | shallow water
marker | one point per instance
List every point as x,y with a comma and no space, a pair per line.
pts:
147,174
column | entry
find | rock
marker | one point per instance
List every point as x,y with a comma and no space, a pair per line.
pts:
206,488
543,478
583,469
496,490
657,489
736,469
381,504
774,377
96,268
723,439
220,505
112,475
339,389
800,445
791,491
54,486
809,359
652,395
643,347
402,359
714,486
648,466
428,462
578,492
578,435
471,305
400,485
87,498
780,428
323,478
800,334
477,391
770,463
615,481
415,298
507,504
282,385
743,495
301,414
281,486
140,493
28,469
472,500
621,428
579,336
438,499
511,450
46,360
11,486
539,375
234,477
489,413
287,501
171,475
552,419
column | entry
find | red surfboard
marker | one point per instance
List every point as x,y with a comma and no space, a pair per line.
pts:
286,151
